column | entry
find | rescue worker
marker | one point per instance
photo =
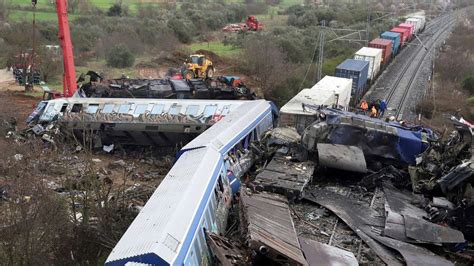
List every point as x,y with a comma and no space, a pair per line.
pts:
382,108
373,111
364,105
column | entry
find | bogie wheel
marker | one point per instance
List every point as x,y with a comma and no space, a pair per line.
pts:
210,72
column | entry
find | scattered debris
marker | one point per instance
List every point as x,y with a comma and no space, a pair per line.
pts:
225,252
285,176
268,227
363,219
319,254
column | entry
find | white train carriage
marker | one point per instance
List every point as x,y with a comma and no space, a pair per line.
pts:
195,195
169,230
161,122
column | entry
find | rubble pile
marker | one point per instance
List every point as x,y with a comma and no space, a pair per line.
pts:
360,190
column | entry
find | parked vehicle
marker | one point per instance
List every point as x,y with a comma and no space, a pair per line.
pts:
198,66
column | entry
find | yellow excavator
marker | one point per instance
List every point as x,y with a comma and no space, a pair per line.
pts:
198,66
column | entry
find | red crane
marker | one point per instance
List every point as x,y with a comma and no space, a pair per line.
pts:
64,36
69,78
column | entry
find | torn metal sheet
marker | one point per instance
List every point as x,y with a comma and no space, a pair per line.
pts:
413,222
442,203
224,251
394,225
456,176
343,208
425,231
349,158
360,218
284,176
268,227
319,254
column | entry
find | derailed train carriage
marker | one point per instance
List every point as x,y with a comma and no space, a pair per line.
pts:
160,122
195,195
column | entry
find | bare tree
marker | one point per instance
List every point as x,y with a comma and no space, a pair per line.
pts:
266,63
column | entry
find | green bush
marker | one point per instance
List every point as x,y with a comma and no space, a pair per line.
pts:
468,84
120,57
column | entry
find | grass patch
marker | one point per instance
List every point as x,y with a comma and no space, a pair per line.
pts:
216,47
20,15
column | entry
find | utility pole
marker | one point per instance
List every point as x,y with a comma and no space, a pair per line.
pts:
30,77
321,50
367,2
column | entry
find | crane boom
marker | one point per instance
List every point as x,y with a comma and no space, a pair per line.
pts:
69,78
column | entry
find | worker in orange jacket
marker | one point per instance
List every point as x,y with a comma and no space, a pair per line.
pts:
364,105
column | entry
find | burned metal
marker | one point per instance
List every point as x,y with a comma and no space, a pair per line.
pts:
268,228
285,175
216,88
319,254
225,252
363,219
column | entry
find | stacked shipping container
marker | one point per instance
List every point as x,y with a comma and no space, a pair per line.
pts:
356,70
409,27
403,35
373,56
386,46
395,38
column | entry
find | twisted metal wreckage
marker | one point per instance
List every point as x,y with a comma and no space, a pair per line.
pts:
426,226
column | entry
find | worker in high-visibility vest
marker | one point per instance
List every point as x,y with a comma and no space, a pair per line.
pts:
364,105
373,111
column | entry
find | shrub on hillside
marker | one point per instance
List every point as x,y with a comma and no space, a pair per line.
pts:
468,84
425,108
120,57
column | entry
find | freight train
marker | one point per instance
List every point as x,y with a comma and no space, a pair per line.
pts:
369,62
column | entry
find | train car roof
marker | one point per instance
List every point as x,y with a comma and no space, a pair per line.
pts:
144,100
231,127
162,231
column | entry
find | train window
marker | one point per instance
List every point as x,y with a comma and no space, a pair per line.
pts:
124,108
92,108
63,108
175,109
157,109
226,110
210,110
76,108
108,108
220,184
192,110
140,109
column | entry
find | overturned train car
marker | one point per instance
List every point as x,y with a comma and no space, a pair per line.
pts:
196,194
129,121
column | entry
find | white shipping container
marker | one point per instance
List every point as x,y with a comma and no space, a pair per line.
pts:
374,56
327,92
416,22
423,21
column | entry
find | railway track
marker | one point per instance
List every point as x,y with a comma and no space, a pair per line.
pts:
405,87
